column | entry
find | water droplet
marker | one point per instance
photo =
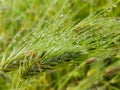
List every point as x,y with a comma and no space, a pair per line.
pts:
109,9
18,34
34,33
78,67
114,5
102,42
61,15
46,21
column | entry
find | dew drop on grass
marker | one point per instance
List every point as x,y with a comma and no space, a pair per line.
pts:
18,34
61,15
109,9
34,33
114,5
102,42
46,21
78,67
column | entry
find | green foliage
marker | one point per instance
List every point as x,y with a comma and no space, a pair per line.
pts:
4,82
60,44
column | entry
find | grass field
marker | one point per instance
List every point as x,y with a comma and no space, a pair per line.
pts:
59,44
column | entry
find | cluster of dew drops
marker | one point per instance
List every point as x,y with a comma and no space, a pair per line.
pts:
3,6
113,6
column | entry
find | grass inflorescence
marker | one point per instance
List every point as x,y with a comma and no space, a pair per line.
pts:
60,45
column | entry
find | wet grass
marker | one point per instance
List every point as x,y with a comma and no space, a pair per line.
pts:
59,45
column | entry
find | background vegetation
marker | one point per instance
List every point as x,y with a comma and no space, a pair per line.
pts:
59,45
